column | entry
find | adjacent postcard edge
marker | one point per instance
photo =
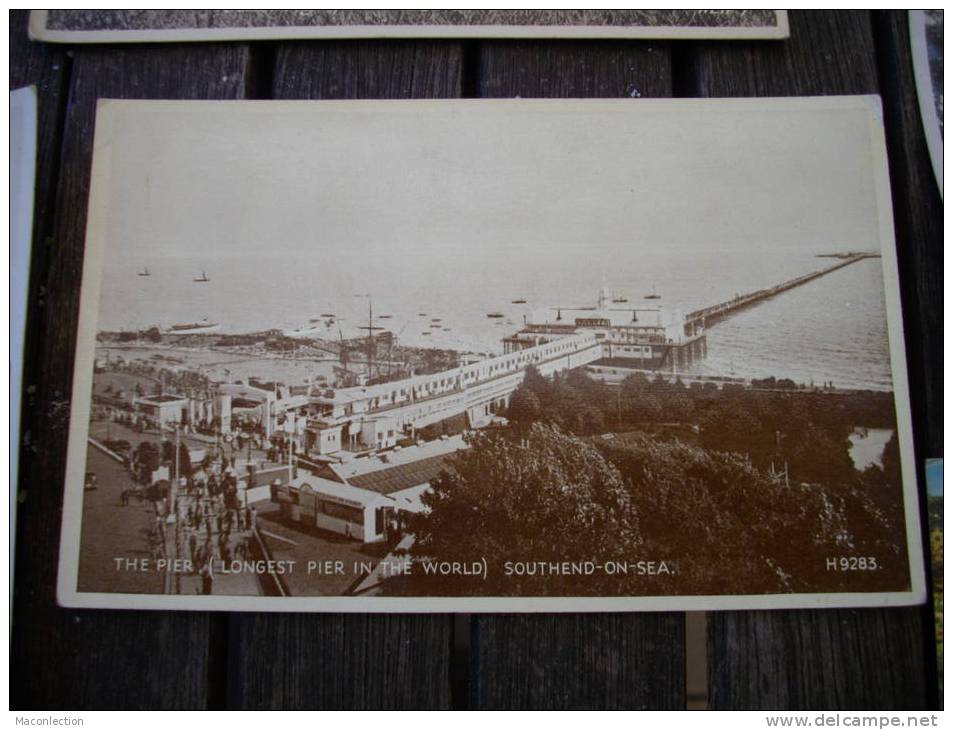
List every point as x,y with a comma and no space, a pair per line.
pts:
68,596
23,153
38,31
925,92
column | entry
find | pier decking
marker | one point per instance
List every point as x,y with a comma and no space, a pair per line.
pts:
709,315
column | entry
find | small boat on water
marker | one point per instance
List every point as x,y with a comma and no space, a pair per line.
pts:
383,316
495,315
421,314
518,301
188,328
425,333
653,295
327,314
309,330
436,319
620,300
145,272
202,278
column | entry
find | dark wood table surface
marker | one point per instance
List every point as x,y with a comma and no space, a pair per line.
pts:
818,659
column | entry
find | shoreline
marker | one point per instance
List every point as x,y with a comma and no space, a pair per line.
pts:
266,358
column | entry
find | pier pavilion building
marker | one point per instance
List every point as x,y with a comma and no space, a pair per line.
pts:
647,336
374,417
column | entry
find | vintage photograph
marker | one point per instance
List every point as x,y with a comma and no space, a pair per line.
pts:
470,355
99,26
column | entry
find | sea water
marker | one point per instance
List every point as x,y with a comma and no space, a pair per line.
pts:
832,329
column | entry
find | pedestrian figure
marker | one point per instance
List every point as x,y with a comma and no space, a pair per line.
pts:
207,581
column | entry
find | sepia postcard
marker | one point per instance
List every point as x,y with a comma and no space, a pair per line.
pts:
129,26
490,355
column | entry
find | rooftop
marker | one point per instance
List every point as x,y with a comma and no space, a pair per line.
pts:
337,489
160,399
637,315
399,457
402,469
402,476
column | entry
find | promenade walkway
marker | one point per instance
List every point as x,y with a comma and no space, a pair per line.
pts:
113,530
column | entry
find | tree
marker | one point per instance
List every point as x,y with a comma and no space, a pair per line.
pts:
733,529
533,380
821,457
544,497
146,460
524,407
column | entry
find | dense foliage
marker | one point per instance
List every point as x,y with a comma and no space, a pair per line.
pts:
655,471
545,496
808,429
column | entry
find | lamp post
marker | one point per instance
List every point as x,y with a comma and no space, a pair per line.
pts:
174,483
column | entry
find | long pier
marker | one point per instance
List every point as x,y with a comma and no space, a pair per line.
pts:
482,388
709,315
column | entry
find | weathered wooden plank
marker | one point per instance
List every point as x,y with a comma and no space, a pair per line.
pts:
47,68
798,659
98,659
592,660
574,69
918,218
579,661
368,70
816,660
330,661
829,52
307,661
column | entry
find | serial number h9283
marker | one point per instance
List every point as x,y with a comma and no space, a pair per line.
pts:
853,562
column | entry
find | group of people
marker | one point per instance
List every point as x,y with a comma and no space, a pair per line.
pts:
204,521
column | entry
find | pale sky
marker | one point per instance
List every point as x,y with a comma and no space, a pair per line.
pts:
435,179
